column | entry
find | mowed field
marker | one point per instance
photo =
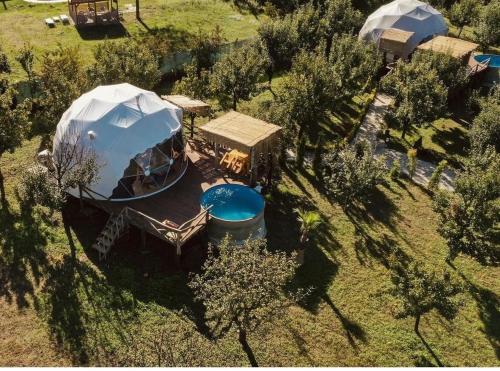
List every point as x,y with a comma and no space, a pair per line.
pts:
56,311
22,22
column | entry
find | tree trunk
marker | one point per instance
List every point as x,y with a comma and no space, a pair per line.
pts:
235,101
417,322
405,128
460,31
2,189
137,10
192,124
242,337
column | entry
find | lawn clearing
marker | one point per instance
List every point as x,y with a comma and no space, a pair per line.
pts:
24,22
84,311
445,138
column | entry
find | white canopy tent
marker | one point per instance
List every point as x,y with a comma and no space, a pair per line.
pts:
125,127
407,15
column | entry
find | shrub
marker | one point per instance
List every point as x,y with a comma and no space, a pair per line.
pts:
350,175
436,175
412,162
395,172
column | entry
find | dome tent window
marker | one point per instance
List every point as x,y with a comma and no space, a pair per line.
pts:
152,170
134,134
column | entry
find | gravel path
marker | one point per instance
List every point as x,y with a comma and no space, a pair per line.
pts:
368,131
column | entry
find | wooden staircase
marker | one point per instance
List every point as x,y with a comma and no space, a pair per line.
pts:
116,226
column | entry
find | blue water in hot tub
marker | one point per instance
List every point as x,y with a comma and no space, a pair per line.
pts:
233,202
494,59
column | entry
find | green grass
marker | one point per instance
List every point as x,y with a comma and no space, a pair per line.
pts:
180,19
446,138
59,311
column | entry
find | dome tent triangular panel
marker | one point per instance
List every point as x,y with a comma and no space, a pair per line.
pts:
119,122
407,15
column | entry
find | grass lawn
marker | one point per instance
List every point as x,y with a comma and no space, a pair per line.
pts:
446,139
24,22
59,311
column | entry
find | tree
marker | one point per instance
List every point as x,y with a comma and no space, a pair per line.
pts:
318,154
235,76
487,31
304,96
350,175
4,62
485,130
242,287
419,94
125,61
339,17
418,292
205,48
450,70
193,84
280,42
307,21
464,13
469,217
354,65
61,79
26,58
395,172
14,121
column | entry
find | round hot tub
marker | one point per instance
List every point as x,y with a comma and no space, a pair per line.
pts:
236,210
493,72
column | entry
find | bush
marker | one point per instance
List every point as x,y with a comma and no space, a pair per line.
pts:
4,62
436,175
412,162
351,175
395,172
37,188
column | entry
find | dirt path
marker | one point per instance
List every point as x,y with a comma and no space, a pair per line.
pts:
368,131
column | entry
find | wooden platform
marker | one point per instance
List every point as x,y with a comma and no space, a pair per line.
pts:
173,209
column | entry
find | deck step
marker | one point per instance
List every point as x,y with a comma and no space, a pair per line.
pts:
115,227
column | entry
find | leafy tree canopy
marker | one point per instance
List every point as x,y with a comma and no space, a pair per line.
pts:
420,96
487,31
124,61
464,13
469,216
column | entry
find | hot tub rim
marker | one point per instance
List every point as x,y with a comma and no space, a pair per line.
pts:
209,207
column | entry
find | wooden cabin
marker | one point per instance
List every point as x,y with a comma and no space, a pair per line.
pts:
457,48
93,12
394,44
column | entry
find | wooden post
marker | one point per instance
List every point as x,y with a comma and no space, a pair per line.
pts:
178,251
216,155
252,167
137,11
192,124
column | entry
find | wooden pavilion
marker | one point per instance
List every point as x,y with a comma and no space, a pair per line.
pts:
246,135
193,107
457,48
93,12
393,44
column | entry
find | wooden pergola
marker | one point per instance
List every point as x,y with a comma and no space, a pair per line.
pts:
246,134
93,12
457,48
193,107
395,41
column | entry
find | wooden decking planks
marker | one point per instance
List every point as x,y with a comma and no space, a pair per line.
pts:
181,202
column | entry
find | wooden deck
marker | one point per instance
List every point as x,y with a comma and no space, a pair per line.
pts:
176,207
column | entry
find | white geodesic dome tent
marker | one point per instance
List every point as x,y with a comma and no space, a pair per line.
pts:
136,138
407,15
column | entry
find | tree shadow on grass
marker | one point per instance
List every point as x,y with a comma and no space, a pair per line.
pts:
150,275
23,259
353,331
488,305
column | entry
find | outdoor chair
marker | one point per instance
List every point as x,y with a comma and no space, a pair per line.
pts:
50,22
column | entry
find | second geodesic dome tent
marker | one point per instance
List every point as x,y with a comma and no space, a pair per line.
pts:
136,138
412,16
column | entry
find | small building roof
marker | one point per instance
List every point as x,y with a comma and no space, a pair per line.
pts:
241,132
397,35
457,48
188,104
